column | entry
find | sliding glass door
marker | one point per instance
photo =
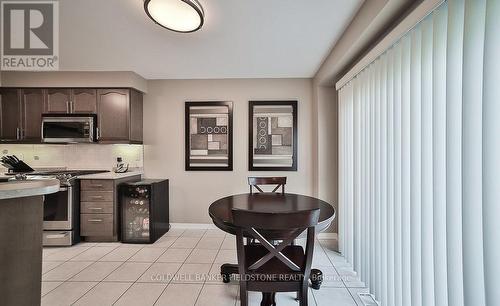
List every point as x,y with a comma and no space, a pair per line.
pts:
420,162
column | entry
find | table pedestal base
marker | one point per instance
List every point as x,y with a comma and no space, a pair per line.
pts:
268,299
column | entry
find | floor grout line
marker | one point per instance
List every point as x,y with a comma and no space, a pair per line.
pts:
99,282
175,273
63,262
341,278
102,280
98,260
136,281
202,285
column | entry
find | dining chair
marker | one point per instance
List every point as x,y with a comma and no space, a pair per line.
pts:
269,268
256,181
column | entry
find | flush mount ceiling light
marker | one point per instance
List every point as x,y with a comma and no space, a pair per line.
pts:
183,16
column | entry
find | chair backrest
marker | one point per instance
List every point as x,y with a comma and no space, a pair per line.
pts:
256,182
291,224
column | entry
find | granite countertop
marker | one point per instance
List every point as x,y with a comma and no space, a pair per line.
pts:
109,175
19,189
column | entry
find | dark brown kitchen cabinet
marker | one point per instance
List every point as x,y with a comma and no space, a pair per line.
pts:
99,208
84,101
21,114
31,114
69,101
119,112
58,101
136,116
10,114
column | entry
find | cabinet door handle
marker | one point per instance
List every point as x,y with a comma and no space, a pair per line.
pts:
96,185
95,220
98,133
18,133
96,208
97,197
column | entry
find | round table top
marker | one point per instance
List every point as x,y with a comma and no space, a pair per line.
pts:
220,210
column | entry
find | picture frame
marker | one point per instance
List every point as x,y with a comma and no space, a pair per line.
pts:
272,136
208,136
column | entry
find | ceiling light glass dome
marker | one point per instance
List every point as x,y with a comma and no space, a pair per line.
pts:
176,15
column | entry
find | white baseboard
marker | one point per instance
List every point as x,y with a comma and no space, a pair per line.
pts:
193,225
212,226
328,236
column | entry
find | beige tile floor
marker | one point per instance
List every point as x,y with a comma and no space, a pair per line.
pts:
182,268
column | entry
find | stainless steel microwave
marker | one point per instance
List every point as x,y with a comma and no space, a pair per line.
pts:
69,128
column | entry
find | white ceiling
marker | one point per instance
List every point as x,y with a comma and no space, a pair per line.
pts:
240,38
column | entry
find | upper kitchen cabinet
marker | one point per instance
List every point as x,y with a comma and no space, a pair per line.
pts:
58,101
10,114
136,116
119,112
84,101
31,114
21,114
71,101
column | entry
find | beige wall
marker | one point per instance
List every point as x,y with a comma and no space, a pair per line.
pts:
327,146
193,191
370,22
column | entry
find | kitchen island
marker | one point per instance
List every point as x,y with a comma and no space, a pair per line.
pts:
21,223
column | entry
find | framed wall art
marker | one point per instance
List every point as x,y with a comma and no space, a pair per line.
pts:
209,136
272,135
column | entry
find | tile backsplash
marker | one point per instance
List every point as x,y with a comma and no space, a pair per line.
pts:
76,156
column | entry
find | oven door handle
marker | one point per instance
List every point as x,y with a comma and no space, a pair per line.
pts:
56,236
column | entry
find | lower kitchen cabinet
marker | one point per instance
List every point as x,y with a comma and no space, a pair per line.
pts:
99,208
99,225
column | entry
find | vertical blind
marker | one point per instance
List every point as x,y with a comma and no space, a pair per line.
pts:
419,141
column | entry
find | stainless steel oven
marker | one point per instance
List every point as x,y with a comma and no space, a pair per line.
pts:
60,216
58,209
68,128
61,211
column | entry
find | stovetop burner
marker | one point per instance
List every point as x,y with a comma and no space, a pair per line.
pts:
70,172
65,177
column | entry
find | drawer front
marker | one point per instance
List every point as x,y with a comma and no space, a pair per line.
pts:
96,196
96,207
96,224
97,185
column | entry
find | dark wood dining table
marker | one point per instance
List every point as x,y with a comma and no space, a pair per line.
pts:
221,213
